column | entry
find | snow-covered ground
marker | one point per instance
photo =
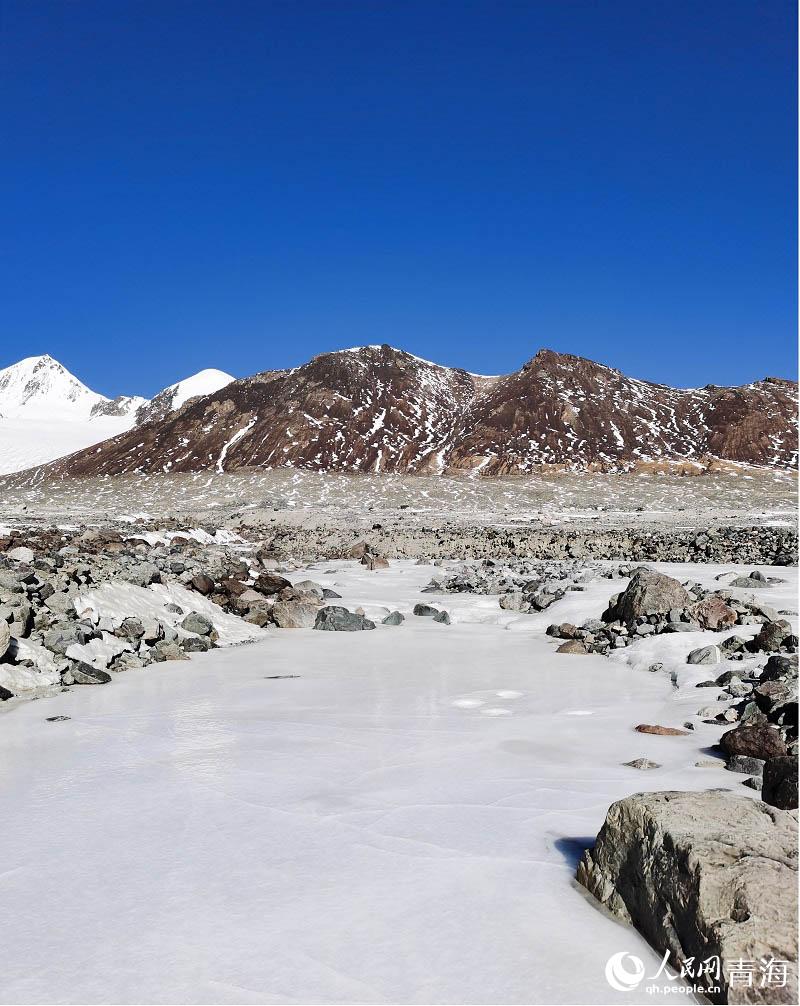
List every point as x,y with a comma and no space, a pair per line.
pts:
35,441
386,816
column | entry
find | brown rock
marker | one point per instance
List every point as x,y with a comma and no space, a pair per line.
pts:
656,728
374,562
755,737
572,646
713,613
270,583
202,583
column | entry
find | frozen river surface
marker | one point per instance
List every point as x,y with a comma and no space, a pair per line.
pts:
398,823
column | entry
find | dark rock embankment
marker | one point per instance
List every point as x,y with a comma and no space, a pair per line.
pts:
759,545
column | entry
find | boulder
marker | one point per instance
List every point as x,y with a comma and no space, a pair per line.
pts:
200,624
86,674
393,618
374,561
202,583
270,583
703,875
294,614
754,580
771,637
745,764
574,646
359,550
704,655
195,644
756,738
443,617
643,764
713,613
648,593
425,610
167,649
337,619
779,666
131,628
780,782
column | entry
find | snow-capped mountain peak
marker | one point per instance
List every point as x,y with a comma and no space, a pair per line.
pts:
40,386
205,382
46,412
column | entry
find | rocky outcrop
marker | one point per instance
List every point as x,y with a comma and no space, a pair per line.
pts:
379,409
703,874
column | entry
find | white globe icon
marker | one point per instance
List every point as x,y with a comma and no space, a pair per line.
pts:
621,977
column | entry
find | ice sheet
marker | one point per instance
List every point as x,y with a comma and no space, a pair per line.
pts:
400,823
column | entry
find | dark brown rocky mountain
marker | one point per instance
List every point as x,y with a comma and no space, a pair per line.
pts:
378,409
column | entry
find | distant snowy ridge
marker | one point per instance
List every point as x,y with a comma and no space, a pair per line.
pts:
47,413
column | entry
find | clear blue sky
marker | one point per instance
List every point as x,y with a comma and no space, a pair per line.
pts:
245,184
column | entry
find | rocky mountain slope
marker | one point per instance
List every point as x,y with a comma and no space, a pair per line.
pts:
379,409
46,412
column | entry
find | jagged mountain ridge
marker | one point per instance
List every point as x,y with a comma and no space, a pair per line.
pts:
379,409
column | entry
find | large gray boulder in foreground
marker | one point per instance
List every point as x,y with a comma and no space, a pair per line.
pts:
702,875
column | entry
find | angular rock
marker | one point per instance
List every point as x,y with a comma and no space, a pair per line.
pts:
195,622
699,875
745,764
294,614
337,619
648,593
771,637
374,561
704,655
202,583
574,646
713,613
270,583
756,738
643,764
393,618
86,674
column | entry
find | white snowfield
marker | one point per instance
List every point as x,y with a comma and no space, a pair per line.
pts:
368,817
46,412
